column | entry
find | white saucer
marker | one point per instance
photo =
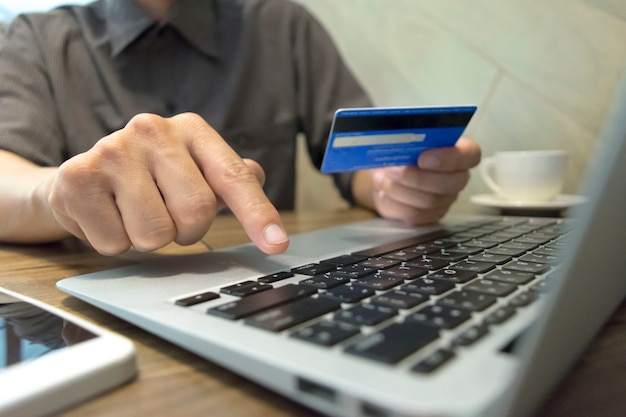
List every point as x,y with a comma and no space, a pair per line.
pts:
561,201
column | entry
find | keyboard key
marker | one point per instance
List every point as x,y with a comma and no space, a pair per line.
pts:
313,269
533,239
349,293
486,286
539,258
402,244
288,315
380,263
519,245
545,234
470,336
394,342
549,251
500,315
326,333
524,299
479,243
278,276
468,300
261,301
511,277
464,250
501,250
325,281
545,285
458,276
356,270
405,254
430,264
344,260
400,299
433,361
494,238
365,314
532,267
440,243
244,289
470,235
456,239
490,258
197,299
479,267
407,272
430,286
441,316
447,256
423,249
380,281
504,236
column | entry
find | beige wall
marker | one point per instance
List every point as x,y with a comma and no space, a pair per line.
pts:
542,72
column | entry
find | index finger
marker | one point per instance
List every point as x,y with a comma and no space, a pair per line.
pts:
464,155
236,183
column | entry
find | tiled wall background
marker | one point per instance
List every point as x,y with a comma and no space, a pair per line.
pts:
542,72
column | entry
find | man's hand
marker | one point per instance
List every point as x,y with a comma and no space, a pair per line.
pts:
158,181
419,194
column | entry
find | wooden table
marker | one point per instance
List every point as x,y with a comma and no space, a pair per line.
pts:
175,382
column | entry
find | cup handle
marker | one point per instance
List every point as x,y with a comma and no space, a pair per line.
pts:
486,171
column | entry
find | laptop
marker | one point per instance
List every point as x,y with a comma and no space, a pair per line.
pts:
474,316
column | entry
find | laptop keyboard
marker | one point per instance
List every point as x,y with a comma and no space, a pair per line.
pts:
388,302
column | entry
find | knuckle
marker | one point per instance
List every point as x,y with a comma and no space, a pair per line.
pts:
197,211
148,130
192,123
157,236
235,171
108,151
76,172
76,181
429,201
146,125
258,209
189,118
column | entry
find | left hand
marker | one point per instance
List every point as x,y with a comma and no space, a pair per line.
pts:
419,194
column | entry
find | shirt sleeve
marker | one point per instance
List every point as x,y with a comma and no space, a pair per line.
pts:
29,125
325,84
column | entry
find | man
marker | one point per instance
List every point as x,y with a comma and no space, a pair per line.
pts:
133,123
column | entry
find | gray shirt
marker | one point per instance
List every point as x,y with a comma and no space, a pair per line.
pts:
258,71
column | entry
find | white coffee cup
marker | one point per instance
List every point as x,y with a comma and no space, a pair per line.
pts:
534,175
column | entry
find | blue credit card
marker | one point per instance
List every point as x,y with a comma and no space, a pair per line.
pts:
376,137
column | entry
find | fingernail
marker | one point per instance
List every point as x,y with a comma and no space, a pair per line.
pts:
275,235
429,162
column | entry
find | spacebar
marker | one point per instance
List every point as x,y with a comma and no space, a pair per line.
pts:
288,315
395,342
261,301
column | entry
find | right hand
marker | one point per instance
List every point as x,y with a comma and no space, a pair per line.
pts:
161,180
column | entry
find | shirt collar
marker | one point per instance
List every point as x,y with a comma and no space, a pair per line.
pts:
194,19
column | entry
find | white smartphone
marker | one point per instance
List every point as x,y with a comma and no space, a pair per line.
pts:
50,359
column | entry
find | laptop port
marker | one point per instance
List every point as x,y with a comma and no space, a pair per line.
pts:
317,390
369,410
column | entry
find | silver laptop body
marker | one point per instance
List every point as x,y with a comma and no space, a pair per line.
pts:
498,367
